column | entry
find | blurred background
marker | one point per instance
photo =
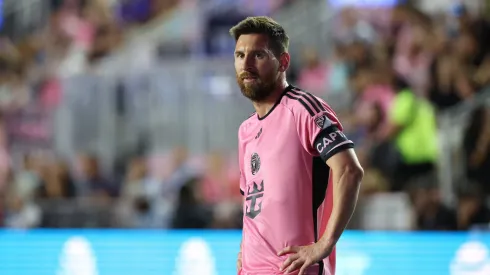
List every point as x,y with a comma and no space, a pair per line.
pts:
123,114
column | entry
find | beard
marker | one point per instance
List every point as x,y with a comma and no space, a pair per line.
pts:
258,90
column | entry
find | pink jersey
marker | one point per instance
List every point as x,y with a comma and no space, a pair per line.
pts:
285,180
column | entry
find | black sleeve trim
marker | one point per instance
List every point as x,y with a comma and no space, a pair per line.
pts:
331,141
338,150
241,192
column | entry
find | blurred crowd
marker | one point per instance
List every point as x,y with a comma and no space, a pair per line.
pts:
391,73
398,74
187,193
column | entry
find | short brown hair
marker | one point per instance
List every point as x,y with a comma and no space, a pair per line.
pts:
279,40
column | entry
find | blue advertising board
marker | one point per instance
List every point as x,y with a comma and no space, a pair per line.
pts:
130,252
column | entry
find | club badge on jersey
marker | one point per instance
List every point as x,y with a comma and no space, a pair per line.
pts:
323,122
330,140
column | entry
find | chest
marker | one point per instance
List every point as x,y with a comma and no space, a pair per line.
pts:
270,146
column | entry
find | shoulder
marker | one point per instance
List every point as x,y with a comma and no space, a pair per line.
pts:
251,120
301,102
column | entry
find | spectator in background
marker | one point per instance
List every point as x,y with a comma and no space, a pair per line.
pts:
91,182
338,71
141,204
313,75
375,93
28,180
412,64
442,90
431,213
218,185
353,28
472,210
408,146
14,93
465,48
358,55
218,189
476,146
58,183
181,172
464,21
107,38
22,213
191,212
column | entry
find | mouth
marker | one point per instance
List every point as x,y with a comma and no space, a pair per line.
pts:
249,79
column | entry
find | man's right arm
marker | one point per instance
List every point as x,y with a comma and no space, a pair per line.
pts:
242,191
239,260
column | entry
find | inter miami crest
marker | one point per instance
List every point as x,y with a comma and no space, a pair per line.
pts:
322,122
255,163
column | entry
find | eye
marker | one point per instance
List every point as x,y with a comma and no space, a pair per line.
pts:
260,55
239,55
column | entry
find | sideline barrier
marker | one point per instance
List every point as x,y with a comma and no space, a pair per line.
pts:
128,252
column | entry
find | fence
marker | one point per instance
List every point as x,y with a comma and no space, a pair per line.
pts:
194,104
19,18
452,127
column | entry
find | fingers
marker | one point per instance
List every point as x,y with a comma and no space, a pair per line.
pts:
288,261
302,271
305,264
239,265
239,262
295,265
288,249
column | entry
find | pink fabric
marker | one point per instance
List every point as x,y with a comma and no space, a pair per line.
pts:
379,94
220,188
51,93
314,80
415,70
403,40
80,30
382,95
276,166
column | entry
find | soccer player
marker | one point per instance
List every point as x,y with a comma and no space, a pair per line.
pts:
300,176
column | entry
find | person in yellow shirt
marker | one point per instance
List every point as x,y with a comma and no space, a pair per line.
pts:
412,137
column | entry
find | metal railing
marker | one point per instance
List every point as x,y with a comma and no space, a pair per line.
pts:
307,23
23,17
452,128
191,103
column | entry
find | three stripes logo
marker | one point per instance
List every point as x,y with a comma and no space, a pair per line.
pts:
311,103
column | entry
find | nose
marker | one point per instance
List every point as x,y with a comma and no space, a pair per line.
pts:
249,63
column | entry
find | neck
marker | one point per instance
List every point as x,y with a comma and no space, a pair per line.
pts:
264,106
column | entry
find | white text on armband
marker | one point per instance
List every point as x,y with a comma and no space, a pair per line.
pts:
329,140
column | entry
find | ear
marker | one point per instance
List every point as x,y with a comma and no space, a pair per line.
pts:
284,61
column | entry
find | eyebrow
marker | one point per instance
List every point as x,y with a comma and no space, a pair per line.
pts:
252,51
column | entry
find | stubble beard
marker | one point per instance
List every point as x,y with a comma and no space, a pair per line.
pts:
256,92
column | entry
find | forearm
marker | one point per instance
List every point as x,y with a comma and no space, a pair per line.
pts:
345,193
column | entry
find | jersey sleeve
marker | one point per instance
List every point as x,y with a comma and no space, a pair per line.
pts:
321,132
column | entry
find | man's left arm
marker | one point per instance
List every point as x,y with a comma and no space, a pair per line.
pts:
322,135
347,175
